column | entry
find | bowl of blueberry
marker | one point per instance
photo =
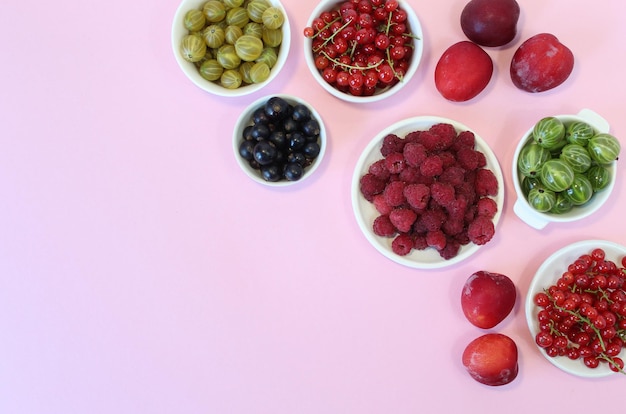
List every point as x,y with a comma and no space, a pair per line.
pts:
427,192
279,140
365,51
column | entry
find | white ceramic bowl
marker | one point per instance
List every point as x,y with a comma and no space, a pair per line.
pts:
245,119
418,42
547,274
191,71
539,220
366,213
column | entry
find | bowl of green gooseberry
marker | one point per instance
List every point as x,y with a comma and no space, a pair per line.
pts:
564,168
231,48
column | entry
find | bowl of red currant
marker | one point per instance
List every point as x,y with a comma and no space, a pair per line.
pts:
428,192
576,308
279,140
363,51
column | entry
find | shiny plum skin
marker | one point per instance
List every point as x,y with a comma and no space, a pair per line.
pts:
541,63
490,23
487,298
491,359
463,71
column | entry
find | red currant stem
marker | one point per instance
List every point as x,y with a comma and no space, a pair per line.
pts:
610,361
388,24
350,67
332,36
390,62
582,319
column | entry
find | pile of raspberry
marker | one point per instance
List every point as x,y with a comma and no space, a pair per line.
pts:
432,189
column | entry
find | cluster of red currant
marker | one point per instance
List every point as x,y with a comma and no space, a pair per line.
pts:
361,46
583,315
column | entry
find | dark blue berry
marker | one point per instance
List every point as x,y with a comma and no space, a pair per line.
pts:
293,171
246,149
271,172
300,113
277,108
311,150
311,128
296,141
264,152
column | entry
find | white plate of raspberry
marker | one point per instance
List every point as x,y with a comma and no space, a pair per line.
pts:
428,192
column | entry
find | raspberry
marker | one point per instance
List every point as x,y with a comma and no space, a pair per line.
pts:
403,219
391,143
447,158
436,239
382,206
467,191
430,141
371,185
413,137
453,226
453,175
457,207
383,226
446,133
442,193
465,139
432,166
402,244
486,182
394,162
417,195
451,250
379,169
431,220
486,207
467,158
394,193
410,175
481,230
419,242
482,160
414,153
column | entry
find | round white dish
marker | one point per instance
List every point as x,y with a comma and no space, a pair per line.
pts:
245,119
418,43
365,212
547,274
191,71
539,220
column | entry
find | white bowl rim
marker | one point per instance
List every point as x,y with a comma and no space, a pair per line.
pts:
244,118
416,30
566,255
430,257
538,219
191,72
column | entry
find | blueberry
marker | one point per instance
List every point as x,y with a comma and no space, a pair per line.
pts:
311,150
289,125
264,152
259,116
293,171
246,149
277,108
278,138
311,128
297,157
260,132
247,133
271,172
301,113
296,141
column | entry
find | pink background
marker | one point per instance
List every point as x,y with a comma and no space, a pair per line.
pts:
142,272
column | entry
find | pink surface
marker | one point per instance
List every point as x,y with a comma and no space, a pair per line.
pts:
142,272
